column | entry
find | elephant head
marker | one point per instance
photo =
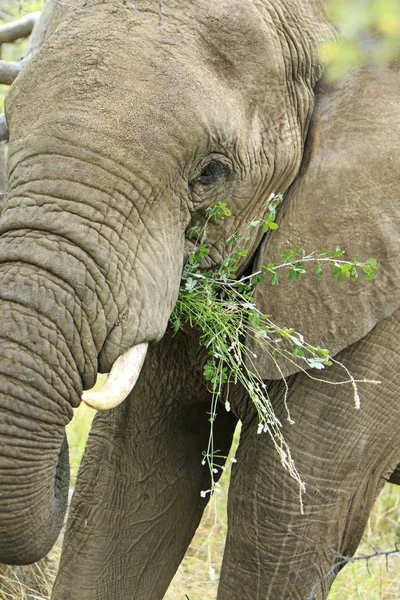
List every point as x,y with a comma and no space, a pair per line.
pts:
125,126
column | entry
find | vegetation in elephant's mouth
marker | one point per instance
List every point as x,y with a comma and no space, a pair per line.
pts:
221,305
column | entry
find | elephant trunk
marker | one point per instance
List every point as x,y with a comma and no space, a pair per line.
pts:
82,280
46,352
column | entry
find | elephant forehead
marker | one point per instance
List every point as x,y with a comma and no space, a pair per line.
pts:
147,87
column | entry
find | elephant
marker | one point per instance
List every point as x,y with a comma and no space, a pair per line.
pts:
128,121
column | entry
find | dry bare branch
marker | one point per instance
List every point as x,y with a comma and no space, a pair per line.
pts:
20,28
5,16
3,129
39,31
9,71
344,560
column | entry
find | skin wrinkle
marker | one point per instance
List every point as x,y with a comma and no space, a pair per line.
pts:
99,231
89,156
76,334
66,354
67,388
22,419
303,52
17,406
68,283
109,194
69,248
109,560
125,259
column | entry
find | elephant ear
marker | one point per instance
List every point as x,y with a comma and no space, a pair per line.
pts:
347,194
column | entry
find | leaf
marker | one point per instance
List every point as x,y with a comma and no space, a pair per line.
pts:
190,284
316,363
295,272
176,325
297,351
193,231
254,318
209,370
233,239
368,273
274,277
318,269
323,351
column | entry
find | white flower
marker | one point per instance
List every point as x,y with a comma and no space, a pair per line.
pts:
260,428
227,406
233,459
203,493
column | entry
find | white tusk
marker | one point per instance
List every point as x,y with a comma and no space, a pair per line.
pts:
121,380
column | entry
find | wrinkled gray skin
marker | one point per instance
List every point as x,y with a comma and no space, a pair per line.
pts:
122,132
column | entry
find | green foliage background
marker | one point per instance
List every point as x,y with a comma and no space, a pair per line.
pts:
371,34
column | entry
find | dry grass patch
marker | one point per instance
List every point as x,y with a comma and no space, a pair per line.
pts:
33,582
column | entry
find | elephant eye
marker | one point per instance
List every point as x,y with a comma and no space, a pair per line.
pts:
211,173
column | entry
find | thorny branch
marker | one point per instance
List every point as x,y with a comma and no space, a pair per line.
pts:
344,560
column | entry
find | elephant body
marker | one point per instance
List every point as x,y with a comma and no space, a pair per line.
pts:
126,124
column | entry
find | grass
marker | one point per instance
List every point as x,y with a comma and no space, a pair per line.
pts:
192,578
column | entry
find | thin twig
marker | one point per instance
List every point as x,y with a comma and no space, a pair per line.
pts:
344,560
161,12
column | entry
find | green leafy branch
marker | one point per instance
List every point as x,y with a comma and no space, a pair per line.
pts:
296,260
221,305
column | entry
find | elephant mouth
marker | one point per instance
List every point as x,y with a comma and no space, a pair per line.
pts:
121,380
